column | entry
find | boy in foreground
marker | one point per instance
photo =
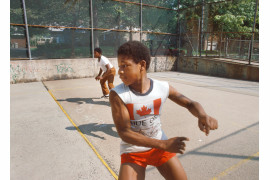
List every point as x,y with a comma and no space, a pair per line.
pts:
136,108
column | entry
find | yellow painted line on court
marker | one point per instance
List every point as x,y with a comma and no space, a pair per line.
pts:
88,142
234,167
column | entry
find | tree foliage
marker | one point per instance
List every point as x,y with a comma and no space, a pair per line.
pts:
231,16
235,17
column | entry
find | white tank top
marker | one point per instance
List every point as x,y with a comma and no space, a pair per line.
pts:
145,111
103,62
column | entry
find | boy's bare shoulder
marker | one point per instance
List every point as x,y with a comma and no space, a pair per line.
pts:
114,96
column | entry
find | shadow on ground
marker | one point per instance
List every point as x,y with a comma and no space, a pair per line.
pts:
97,101
91,128
196,151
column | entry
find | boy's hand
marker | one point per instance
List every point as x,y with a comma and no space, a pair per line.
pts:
207,123
98,78
175,145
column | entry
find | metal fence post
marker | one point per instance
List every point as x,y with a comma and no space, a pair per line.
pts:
141,22
252,36
220,46
27,32
201,29
226,47
178,40
92,30
200,36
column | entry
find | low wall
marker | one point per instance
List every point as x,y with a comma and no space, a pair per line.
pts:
55,69
219,68
160,64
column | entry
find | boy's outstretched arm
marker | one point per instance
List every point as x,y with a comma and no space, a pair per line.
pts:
121,120
205,122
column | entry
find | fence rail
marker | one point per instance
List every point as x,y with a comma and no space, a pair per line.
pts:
56,29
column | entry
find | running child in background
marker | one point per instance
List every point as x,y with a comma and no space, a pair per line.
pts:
136,106
109,72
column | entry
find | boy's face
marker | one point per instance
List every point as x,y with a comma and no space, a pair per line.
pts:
129,71
96,54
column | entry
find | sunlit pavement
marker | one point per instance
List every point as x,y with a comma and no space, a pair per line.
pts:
46,145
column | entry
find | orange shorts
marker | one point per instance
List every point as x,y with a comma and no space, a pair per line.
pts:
153,157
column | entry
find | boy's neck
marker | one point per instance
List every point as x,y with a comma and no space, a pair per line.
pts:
142,86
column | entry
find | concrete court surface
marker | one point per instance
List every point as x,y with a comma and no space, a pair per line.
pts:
43,139
41,148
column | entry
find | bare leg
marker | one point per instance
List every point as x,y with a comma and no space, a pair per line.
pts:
172,169
131,171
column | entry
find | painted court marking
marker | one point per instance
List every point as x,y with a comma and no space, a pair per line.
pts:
220,175
87,141
235,166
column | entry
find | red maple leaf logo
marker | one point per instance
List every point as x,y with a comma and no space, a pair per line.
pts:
144,111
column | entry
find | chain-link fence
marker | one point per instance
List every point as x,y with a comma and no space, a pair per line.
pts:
48,29
220,45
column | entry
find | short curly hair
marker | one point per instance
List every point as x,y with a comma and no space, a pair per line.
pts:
99,50
136,51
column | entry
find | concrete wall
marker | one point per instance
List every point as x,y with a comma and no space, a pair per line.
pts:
219,68
55,69
160,64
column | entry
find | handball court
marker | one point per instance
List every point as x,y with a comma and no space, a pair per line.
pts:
63,130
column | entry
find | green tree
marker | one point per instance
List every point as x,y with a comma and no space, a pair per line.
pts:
235,17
